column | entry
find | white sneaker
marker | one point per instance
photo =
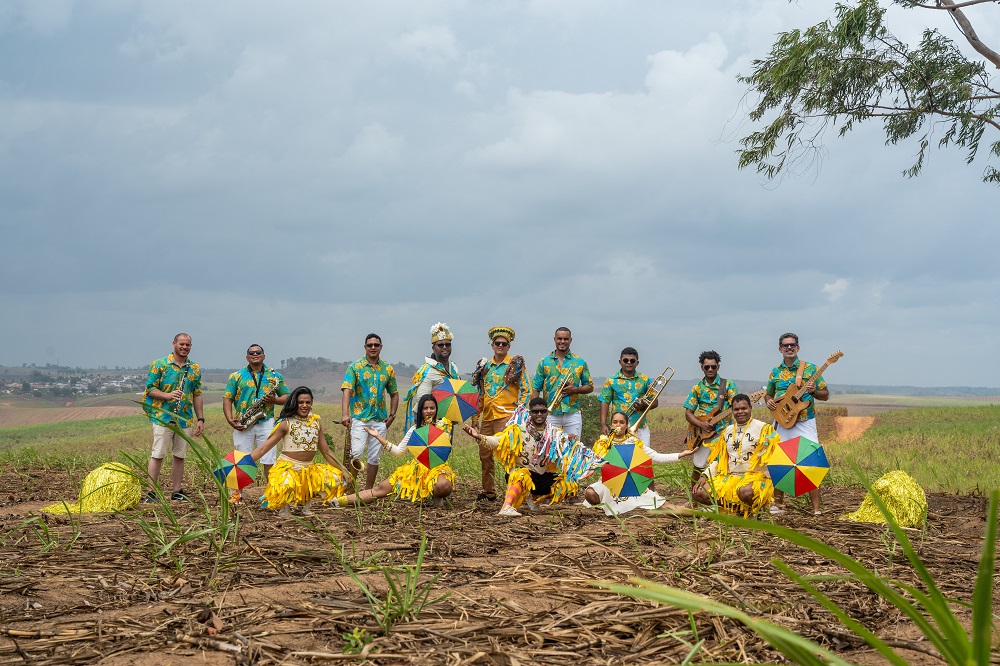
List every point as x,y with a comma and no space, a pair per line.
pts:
509,512
285,513
530,505
776,510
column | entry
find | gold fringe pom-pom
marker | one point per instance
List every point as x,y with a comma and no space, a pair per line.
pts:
111,487
510,447
901,494
563,489
415,482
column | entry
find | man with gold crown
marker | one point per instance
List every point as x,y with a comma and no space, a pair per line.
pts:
436,368
503,385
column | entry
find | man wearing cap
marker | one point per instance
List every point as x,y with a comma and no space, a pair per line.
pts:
245,388
563,368
502,386
366,382
436,368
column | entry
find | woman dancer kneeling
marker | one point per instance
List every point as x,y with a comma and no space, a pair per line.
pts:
295,479
413,480
598,494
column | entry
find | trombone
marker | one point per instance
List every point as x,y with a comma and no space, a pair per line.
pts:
652,393
559,396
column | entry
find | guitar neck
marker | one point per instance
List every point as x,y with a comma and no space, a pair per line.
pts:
819,373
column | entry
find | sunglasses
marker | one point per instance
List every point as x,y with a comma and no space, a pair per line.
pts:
373,345
790,345
539,411
630,361
442,345
711,366
500,343
255,353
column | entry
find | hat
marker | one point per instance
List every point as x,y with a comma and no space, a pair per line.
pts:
505,331
439,332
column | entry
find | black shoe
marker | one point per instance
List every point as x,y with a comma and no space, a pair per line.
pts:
179,496
485,497
150,497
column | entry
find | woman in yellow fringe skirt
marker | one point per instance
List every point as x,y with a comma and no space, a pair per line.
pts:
413,480
295,479
737,475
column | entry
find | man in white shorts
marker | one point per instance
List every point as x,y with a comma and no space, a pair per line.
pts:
362,405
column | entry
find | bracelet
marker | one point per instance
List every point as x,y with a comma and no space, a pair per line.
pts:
201,420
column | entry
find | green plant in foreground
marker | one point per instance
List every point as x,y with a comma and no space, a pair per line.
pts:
356,641
928,609
405,597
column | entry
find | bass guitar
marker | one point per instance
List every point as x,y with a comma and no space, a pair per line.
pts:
786,411
696,436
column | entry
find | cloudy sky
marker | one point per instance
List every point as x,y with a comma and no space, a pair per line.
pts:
298,174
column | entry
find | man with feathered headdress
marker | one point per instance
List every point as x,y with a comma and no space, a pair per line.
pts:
502,387
436,368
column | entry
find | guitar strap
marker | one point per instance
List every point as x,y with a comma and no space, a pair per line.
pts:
722,394
798,375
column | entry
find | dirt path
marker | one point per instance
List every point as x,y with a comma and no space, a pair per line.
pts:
850,428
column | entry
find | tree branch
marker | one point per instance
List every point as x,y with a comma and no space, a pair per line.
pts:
969,32
968,3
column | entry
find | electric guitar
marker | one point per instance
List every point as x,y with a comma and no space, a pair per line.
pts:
786,411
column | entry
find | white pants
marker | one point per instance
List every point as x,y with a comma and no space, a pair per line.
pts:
360,439
643,434
571,424
805,429
249,439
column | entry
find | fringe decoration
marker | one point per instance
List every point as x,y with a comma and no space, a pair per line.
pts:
512,375
111,487
522,476
293,484
414,482
563,488
726,490
510,447
901,494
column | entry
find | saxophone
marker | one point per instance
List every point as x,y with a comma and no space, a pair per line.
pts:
256,410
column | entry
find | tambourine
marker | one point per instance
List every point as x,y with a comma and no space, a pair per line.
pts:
700,457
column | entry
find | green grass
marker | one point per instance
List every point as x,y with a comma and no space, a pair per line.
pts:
950,449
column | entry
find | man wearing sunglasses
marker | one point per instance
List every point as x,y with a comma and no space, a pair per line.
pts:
246,387
623,390
362,404
707,398
436,368
563,368
502,386
792,374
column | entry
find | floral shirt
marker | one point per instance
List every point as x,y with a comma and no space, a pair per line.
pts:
549,375
166,375
499,399
368,385
429,376
620,392
246,387
783,378
704,398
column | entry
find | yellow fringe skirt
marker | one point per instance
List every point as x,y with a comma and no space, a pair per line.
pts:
415,482
726,490
561,488
292,482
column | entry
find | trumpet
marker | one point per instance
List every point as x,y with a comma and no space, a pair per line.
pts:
652,393
559,396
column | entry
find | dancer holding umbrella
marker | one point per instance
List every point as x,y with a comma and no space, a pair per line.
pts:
428,474
627,472
741,482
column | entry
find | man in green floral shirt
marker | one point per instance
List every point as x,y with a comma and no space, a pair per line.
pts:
362,405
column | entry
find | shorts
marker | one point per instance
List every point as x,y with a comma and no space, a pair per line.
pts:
165,439
249,439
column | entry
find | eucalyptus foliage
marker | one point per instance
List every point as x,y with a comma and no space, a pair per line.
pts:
852,69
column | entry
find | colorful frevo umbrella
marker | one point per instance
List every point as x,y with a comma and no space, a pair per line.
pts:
627,470
457,400
430,445
237,469
797,466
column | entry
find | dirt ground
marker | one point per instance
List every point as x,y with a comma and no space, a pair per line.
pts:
850,428
519,590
